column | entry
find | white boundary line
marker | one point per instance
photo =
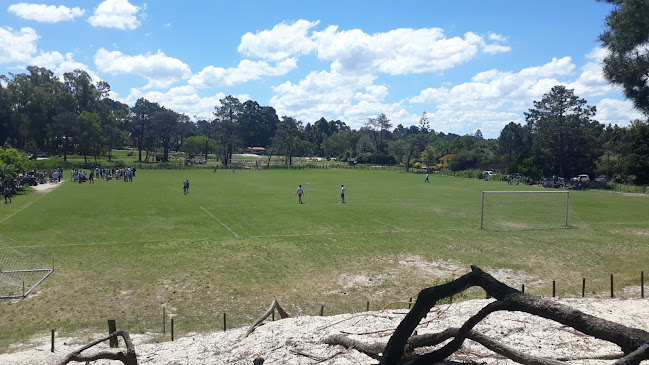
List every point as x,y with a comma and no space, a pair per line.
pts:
21,208
130,242
226,227
385,224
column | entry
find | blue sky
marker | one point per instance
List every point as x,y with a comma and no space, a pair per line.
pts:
468,64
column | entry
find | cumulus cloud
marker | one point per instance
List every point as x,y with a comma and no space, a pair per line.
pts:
349,98
118,14
182,99
160,70
45,13
591,81
247,70
617,112
399,51
17,46
283,41
60,64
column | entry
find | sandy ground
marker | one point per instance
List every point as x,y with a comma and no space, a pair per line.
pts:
47,187
300,340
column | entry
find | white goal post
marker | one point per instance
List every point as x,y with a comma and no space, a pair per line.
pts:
520,203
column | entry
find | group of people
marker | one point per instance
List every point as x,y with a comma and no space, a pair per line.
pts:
81,176
300,193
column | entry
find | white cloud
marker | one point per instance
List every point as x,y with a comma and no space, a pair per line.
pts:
182,99
617,112
17,46
399,51
246,71
333,96
591,81
161,71
492,98
373,93
60,64
493,89
118,14
283,41
46,13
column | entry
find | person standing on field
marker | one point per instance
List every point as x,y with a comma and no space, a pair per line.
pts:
7,194
299,193
426,181
186,187
342,193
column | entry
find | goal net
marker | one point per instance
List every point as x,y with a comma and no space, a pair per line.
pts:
22,268
524,210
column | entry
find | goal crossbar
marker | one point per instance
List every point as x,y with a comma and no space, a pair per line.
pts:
523,192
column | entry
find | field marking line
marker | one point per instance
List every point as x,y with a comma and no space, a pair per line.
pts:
21,208
128,242
218,220
385,224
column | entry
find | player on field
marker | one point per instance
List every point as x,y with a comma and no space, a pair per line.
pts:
299,193
342,193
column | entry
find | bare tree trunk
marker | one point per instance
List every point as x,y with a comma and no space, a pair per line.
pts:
633,342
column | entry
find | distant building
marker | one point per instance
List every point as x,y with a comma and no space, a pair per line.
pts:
444,160
256,150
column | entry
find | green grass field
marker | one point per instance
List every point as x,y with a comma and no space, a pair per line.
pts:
239,240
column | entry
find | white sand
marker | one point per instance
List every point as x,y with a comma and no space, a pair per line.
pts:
299,340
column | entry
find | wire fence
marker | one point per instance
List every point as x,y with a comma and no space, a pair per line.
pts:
169,326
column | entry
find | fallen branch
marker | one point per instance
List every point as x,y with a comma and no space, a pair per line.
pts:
128,358
633,342
273,306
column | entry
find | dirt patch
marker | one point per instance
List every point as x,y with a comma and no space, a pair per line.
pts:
44,188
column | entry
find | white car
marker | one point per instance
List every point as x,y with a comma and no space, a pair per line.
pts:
581,178
489,173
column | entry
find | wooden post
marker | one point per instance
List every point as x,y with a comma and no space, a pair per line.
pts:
224,322
273,315
523,288
52,341
612,294
409,302
112,327
322,311
172,329
164,319
554,288
367,306
642,284
583,287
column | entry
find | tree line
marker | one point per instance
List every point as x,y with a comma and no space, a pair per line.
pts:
40,112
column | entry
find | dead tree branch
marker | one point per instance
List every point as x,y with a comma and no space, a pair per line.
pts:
273,306
128,358
634,343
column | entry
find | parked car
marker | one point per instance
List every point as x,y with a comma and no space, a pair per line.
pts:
601,178
601,184
581,178
488,173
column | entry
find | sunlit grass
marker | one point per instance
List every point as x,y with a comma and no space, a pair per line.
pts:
239,240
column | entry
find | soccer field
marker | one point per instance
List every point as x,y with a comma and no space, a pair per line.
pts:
239,240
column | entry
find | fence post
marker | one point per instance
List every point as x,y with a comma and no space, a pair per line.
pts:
164,319
172,329
52,340
409,302
612,294
642,284
224,322
523,288
367,307
322,311
112,327
554,288
583,287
